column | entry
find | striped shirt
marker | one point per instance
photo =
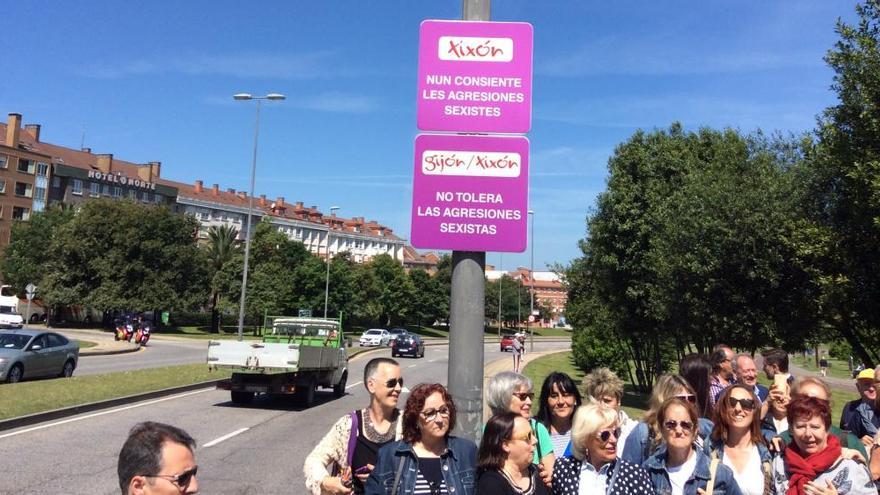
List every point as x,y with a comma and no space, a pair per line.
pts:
429,480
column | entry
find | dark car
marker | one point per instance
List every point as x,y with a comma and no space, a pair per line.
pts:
32,353
507,343
408,344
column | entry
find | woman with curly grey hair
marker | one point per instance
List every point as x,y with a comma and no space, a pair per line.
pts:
604,387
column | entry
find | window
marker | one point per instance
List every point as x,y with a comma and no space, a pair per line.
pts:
158,199
42,169
1,211
132,194
117,192
56,340
94,189
40,194
56,181
19,213
105,189
24,189
3,161
26,166
76,187
2,186
145,196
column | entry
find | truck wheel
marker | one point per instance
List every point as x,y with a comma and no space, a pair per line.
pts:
242,397
339,388
305,393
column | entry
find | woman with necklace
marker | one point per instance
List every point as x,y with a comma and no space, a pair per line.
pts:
504,460
428,460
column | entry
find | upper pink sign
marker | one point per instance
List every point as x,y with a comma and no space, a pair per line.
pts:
475,77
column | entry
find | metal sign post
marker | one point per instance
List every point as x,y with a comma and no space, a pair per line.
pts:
30,291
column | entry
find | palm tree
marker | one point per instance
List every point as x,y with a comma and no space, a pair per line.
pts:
222,245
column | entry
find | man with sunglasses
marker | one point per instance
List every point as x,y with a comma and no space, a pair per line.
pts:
157,459
352,444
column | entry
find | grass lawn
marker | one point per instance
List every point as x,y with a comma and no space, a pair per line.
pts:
634,403
35,396
85,344
838,368
228,332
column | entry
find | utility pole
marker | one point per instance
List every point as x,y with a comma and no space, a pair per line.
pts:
500,280
467,313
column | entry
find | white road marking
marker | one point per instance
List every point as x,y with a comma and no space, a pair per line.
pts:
224,437
432,360
411,366
353,385
101,413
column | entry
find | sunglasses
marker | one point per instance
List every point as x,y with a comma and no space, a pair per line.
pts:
524,395
672,425
746,404
431,414
525,438
605,435
394,382
687,397
182,480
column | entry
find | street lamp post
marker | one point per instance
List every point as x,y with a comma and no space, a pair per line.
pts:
532,282
247,232
327,281
500,281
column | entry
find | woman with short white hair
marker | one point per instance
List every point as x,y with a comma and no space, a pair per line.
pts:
509,391
594,467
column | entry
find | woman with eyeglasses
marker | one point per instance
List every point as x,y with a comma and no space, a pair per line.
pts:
428,460
509,391
604,387
647,435
504,461
679,467
594,467
560,399
737,440
813,464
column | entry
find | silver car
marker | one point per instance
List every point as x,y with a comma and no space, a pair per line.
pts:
33,353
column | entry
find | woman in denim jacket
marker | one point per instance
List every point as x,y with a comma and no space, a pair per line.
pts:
678,468
428,459
645,437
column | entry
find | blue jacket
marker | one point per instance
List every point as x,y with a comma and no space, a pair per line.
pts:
459,468
724,482
638,444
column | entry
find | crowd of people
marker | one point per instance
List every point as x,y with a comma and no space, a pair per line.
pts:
710,430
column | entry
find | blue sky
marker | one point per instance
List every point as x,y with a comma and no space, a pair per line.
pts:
153,81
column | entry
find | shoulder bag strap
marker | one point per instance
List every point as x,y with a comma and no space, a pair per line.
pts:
397,475
353,436
713,468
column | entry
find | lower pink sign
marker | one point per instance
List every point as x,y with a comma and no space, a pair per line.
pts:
470,193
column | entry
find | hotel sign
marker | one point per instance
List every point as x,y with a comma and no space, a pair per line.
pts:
121,180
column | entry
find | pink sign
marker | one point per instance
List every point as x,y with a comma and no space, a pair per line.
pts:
470,193
475,77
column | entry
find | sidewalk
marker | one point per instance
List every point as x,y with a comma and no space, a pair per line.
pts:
506,364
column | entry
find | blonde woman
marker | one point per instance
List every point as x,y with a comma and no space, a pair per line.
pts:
646,436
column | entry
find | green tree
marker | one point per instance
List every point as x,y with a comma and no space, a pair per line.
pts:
844,185
220,250
426,307
395,289
124,255
24,259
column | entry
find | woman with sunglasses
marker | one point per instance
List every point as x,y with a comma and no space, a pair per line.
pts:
560,398
679,467
504,461
509,391
646,436
428,459
594,467
737,440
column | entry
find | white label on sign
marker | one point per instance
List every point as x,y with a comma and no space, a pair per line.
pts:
471,163
465,49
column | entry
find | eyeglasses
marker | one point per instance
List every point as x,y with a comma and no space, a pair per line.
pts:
687,397
672,425
605,435
431,414
746,404
182,480
525,438
524,395
392,383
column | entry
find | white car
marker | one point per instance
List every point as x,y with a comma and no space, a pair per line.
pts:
375,337
10,319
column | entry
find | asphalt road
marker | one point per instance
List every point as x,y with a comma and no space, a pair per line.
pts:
157,353
257,449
